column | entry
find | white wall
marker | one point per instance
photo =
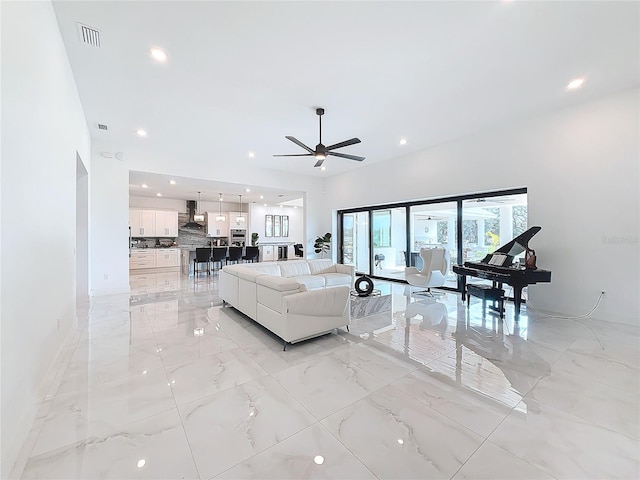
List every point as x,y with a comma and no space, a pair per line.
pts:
109,227
43,128
580,166
257,223
158,203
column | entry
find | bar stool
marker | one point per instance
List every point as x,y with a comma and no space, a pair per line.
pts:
203,255
250,254
219,255
235,254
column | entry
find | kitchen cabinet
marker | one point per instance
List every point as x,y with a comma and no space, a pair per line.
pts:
268,253
142,222
233,220
142,258
167,257
215,228
166,223
153,223
154,258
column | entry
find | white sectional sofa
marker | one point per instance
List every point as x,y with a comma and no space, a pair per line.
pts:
296,299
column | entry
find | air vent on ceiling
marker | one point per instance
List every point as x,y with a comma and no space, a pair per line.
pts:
88,35
102,126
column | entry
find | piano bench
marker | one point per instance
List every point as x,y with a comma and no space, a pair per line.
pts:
486,292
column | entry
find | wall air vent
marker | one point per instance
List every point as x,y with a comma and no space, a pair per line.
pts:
102,126
89,36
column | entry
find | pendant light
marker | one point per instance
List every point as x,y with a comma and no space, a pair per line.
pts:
198,217
220,217
241,218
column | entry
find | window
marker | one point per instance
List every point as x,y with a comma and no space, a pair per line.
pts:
382,228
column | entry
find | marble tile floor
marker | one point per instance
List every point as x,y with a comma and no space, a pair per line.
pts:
171,385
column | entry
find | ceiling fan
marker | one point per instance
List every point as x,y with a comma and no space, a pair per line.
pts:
321,152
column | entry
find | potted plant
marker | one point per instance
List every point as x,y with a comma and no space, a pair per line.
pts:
322,244
254,239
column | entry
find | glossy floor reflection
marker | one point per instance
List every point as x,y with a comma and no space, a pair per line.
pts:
167,383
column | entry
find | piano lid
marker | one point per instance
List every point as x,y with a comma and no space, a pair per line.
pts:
519,244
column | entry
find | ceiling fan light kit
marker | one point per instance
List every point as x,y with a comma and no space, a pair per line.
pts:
321,152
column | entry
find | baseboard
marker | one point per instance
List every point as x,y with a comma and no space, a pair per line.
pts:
100,292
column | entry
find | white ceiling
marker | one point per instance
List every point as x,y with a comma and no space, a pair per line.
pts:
187,188
242,75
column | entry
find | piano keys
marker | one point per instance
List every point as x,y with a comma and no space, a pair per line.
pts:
499,268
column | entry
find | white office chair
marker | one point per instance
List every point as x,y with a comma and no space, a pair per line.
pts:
435,263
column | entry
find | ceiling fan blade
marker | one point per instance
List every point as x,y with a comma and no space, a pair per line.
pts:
295,155
344,155
319,163
299,143
346,143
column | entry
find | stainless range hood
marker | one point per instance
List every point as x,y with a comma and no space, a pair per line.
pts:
191,210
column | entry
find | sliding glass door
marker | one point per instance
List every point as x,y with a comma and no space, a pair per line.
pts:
389,234
382,240
490,222
355,244
434,225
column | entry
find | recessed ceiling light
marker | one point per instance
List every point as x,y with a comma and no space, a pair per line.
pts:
159,54
318,459
158,194
251,154
403,141
141,133
265,204
576,83
323,168
141,463
144,185
247,190
261,197
172,182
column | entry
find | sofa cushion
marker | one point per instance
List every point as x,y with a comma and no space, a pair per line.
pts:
280,284
320,265
248,273
335,279
294,268
312,282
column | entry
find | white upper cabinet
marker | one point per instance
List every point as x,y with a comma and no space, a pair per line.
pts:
153,223
217,228
166,223
234,222
142,222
